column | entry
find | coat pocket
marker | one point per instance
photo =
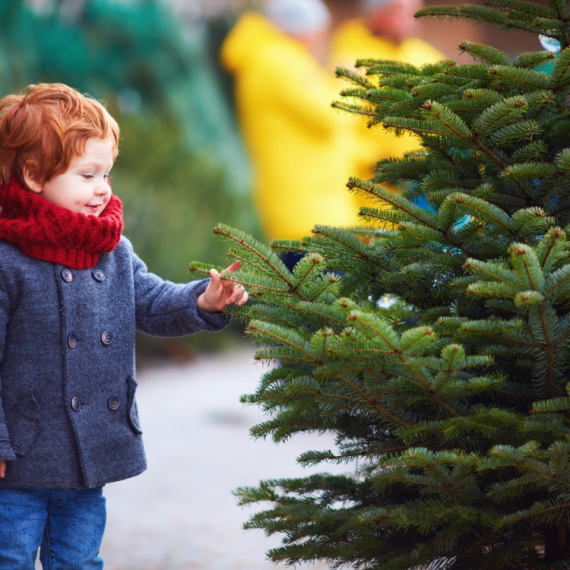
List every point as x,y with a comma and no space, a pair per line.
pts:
132,412
26,428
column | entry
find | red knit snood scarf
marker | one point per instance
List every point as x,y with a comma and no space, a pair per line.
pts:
45,231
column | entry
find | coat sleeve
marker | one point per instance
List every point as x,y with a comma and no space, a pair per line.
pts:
167,309
6,451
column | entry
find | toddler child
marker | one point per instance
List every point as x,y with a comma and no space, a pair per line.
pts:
72,293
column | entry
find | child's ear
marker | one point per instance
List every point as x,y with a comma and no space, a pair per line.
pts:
30,174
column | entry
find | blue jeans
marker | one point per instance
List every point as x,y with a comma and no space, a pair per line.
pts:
66,524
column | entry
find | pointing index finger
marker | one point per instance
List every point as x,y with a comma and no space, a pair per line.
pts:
232,268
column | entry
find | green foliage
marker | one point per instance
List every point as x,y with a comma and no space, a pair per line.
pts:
437,351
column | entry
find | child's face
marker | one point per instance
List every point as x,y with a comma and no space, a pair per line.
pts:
84,186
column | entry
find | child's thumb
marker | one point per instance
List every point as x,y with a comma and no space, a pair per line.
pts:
216,276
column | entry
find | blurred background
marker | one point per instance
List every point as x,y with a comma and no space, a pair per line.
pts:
183,165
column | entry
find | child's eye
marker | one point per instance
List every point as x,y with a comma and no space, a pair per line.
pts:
87,176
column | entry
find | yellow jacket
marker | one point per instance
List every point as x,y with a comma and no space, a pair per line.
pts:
301,159
352,41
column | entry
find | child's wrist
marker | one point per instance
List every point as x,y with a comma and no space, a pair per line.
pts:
203,305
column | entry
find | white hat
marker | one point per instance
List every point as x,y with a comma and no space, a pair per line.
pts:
298,16
370,5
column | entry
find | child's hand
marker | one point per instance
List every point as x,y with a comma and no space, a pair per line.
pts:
2,469
220,293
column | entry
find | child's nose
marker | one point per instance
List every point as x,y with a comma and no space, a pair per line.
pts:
103,188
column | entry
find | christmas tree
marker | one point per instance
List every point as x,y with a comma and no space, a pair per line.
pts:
434,346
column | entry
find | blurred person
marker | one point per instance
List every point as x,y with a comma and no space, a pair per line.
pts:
387,30
72,293
299,146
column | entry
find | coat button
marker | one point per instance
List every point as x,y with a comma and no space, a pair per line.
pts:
71,341
107,337
66,275
99,275
75,404
113,403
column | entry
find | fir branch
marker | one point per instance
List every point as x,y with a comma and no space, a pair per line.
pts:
326,285
525,78
533,59
549,406
389,67
440,178
470,73
439,12
252,261
420,232
551,247
492,289
287,245
284,336
474,12
485,54
426,91
502,113
349,242
325,312
380,96
264,285
560,7
395,168
527,222
522,131
560,74
354,77
258,249
493,271
305,267
522,8
405,205
342,106
544,313
449,120
373,404
562,160
453,80
202,268
483,210
530,171
533,151
467,106
527,267
557,284
414,125
503,166
488,96
403,81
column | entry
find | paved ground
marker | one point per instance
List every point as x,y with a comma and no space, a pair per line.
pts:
180,514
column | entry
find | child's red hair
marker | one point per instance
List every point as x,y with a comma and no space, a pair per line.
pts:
45,127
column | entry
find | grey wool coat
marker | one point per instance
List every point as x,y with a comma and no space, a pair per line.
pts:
68,415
